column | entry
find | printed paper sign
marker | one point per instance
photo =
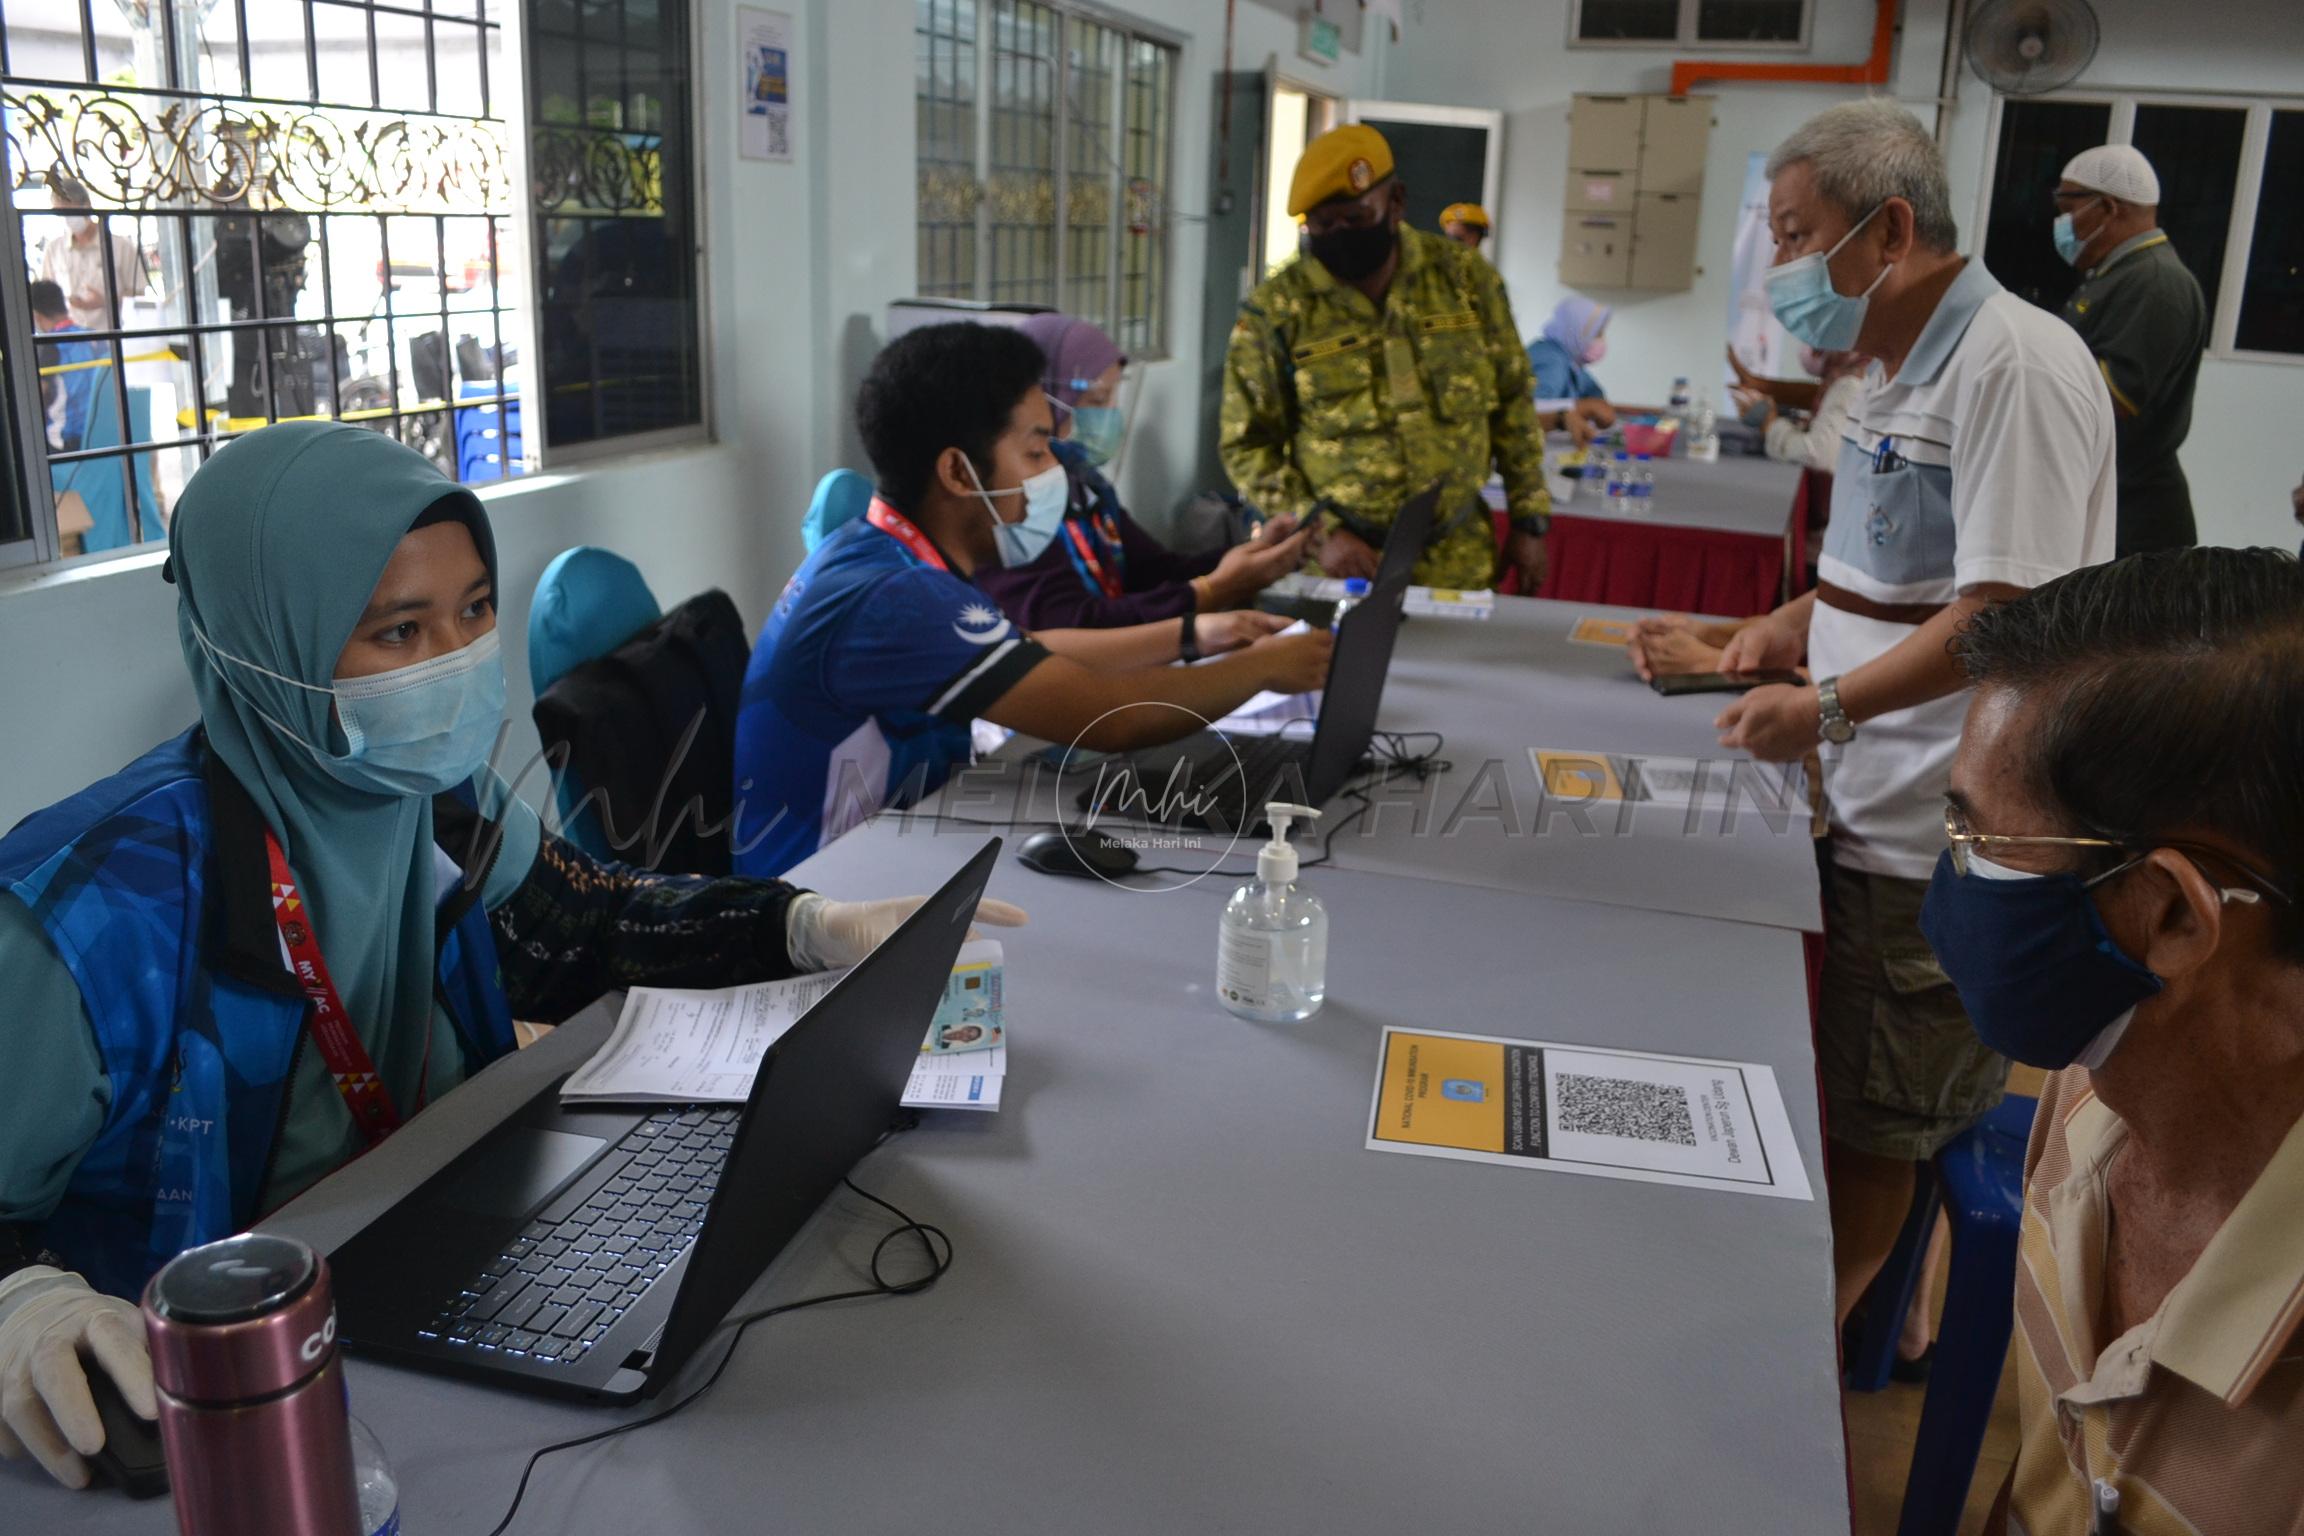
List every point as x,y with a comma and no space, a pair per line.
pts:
1582,1109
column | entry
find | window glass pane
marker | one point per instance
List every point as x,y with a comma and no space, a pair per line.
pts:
615,229
2196,151
1750,21
279,65
1144,206
340,36
944,83
2036,139
1021,190
1092,170
403,75
1628,21
2272,298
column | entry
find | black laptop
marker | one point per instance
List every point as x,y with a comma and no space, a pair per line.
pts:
587,1251
1217,783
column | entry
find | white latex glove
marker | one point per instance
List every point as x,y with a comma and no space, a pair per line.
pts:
51,1323
824,935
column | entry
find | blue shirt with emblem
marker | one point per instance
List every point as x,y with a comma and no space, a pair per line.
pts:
860,693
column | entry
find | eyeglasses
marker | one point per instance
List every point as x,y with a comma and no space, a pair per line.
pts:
1963,838
1364,212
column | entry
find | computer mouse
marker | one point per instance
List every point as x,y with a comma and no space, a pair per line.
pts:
130,1458
1083,855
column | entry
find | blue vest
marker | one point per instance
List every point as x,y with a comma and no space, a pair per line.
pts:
153,889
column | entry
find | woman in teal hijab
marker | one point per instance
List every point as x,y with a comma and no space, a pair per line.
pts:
170,1075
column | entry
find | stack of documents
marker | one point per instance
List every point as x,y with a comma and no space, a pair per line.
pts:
678,1046
1428,602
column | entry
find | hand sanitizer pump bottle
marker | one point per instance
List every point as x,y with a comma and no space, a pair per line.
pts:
1272,945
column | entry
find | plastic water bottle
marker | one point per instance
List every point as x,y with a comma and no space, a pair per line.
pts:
1676,408
1355,592
1644,482
1704,443
372,1480
1620,477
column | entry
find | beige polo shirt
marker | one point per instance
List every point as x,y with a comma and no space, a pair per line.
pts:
2195,1414
79,269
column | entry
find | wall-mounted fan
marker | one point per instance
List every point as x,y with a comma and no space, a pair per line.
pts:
2025,47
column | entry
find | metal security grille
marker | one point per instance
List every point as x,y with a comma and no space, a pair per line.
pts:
252,211
1045,145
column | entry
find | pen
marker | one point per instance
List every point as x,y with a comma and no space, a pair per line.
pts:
1882,454
2104,1518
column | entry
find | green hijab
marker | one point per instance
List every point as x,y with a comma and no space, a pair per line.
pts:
276,547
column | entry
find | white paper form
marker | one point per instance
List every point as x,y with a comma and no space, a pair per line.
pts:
1637,1115
682,1046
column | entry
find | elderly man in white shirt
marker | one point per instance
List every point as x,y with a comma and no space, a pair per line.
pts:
1975,466
74,261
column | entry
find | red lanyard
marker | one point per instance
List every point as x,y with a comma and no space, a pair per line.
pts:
348,1061
1107,579
902,529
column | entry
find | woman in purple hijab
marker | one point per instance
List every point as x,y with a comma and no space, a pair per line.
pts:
1103,570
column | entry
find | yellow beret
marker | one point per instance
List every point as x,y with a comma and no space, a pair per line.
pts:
1343,162
1464,213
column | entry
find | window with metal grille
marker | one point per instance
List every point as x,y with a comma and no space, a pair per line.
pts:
1044,159
236,212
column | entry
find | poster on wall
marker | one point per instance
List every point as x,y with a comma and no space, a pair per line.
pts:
764,54
1766,347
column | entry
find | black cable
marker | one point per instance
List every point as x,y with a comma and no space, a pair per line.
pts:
930,1235
1392,758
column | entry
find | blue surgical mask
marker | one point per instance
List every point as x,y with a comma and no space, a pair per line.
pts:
1801,294
419,730
2038,972
2069,242
424,729
1098,429
1045,495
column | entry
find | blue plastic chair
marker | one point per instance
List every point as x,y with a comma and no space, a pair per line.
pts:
1979,1182
841,497
588,602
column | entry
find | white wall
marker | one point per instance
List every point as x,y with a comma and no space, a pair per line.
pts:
2241,457
801,261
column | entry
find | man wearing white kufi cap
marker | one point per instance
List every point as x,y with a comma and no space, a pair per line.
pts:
2141,312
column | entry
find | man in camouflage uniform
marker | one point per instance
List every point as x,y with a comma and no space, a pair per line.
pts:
1379,361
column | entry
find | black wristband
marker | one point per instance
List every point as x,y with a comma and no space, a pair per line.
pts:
1188,643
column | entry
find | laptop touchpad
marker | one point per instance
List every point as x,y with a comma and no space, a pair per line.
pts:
517,1170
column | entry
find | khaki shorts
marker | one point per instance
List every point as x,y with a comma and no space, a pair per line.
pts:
1903,1072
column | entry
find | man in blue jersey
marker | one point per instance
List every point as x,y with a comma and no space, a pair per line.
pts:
882,649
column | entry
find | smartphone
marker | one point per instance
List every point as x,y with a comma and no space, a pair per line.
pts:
1722,682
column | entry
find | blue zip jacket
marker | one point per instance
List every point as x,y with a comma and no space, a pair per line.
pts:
153,888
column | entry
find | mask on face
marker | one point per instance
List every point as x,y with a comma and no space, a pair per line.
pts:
419,730
2068,240
1044,497
1098,430
1353,254
77,222
2038,972
1801,294
1595,350
423,729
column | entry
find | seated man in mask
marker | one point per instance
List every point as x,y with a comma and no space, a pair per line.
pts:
2118,906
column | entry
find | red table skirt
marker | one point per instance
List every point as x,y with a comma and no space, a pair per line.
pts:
1679,570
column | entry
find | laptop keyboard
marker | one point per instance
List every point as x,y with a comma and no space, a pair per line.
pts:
560,1285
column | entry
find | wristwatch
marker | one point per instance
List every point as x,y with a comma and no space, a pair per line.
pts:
1535,523
1188,643
1834,723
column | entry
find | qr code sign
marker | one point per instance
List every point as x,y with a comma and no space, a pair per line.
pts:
1620,1106
779,135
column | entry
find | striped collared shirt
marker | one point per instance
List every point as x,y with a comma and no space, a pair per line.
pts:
2196,1414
